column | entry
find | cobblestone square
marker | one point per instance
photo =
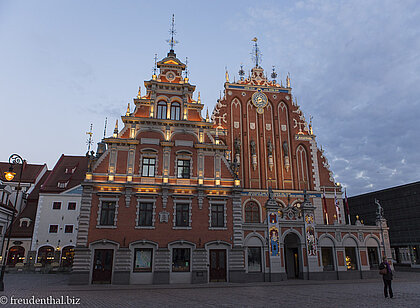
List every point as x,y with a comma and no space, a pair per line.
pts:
292,293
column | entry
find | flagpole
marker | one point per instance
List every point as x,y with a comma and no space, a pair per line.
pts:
347,205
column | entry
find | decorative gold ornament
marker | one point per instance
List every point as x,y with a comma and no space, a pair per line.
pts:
259,99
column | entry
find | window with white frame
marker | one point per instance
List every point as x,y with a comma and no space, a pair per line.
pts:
161,110
175,111
183,168
107,213
217,215
148,166
68,229
182,212
53,229
145,214
71,205
56,205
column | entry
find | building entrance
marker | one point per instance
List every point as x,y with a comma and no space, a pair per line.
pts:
292,256
102,266
217,265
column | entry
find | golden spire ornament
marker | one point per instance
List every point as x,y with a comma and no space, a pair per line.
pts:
227,75
288,80
139,93
127,113
115,135
199,98
207,115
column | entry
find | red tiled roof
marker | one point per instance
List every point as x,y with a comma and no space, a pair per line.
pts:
29,174
76,172
28,212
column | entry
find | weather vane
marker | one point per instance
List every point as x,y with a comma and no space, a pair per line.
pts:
155,66
256,54
171,41
186,67
89,142
106,121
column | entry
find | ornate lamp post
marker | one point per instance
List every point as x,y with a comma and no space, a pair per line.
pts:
379,217
14,159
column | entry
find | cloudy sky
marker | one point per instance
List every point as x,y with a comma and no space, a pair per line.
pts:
355,67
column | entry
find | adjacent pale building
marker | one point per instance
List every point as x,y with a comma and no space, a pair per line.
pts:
55,229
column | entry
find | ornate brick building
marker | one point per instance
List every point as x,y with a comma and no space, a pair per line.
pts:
175,197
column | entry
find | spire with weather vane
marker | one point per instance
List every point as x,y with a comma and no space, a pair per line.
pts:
89,141
256,54
172,42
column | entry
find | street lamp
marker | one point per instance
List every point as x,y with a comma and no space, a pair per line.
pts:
14,159
379,217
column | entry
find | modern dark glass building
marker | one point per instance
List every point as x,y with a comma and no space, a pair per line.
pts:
401,206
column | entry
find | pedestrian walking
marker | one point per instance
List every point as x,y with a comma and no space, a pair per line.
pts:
386,272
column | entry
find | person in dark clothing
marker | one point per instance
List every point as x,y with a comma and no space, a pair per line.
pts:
387,277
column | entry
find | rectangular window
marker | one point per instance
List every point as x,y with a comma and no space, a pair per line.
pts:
107,213
351,261
71,206
143,258
254,259
217,215
182,215
181,259
53,229
148,166
183,169
373,257
56,205
68,229
145,214
327,258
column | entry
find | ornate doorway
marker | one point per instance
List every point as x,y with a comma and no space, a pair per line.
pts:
16,255
217,265
292,256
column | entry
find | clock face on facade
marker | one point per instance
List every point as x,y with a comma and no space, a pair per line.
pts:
259,99
170,76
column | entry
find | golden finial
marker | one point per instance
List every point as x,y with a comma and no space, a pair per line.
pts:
207,115
199,98
127,113
115,135
227,76
288,80
357,217
310,125
139,93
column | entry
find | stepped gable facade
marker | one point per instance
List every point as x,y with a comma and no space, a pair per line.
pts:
247,195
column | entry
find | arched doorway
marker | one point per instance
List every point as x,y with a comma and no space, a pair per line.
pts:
16,255
293,256
45,255
67,255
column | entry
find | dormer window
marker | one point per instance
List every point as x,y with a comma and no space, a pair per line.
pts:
62,184
175,111
70,170
161,110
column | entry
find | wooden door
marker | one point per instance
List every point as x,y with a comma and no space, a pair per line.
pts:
102,266
217,265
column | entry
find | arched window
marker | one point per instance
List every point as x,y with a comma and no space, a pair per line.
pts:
16,255
45,255
252,212
161,110
175,111
67,255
